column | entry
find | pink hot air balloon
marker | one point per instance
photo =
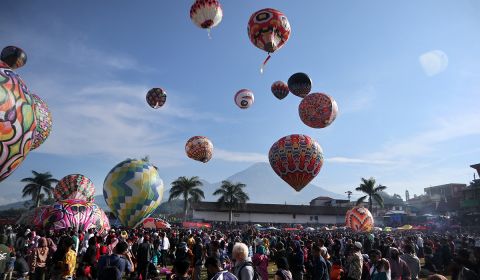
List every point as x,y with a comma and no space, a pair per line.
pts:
206,13
318,110
297,159
244,98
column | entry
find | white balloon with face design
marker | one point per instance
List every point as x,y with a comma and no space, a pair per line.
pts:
244,98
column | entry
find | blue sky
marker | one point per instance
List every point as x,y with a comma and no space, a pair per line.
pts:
406,77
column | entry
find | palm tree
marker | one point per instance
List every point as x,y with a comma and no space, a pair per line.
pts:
368,187
231,195
36,184
187,188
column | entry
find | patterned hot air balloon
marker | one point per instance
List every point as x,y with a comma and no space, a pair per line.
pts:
17,121
318,110
297,159
35,217
156,97
300,84
359,219
13,56
199,148
244,98
74,186
268,29
206,13
280,89
133,190
43,118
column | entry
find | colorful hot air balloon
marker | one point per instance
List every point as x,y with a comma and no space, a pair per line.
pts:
280,89
206,13
133,190
199,148
318,110
268,29
244,98
74,186
13,56
297,159
17,121
44,121
359,219
300,84
34,217
156,97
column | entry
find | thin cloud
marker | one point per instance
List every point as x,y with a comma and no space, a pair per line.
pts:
358,100
434,62
239,156
359,161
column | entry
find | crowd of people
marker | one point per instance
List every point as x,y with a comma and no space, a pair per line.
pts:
240,254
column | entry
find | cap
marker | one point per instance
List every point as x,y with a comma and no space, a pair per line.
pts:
358,245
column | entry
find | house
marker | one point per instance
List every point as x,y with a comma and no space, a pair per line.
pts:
270,213
328,201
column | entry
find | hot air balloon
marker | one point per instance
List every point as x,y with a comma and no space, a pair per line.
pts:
34,217
280,89
206,13
133,190
74,186
300,84
199,148
13,56
268,29
156,97
244,98
318,110
17,121
297,159
43,118
359,219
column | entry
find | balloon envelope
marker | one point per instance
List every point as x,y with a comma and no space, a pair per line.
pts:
133,190
359,219
280,89
300,84
318,110
244,98
43,118
156,97
74,186
199,148
17,121
13,56
206,13
268,29
297,159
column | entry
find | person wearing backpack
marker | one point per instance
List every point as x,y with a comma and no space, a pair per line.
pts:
243,269
111,267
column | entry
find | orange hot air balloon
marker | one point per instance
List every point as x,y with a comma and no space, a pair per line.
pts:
199,148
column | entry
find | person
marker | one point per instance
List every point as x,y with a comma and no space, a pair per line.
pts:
198,256
181,270
243,268
144,255
297,261
21,266
121,260
214,267
260,261
90,257
283,272
39,259
64,260
437,277
380,269
4,255
399,267
355,261
412,261
319,265
165,247
336,273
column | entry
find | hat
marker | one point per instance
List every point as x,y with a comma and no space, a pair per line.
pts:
358,245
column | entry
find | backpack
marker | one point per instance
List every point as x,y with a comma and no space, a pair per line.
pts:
256,275
110,271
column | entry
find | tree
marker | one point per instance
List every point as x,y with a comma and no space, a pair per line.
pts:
372,192
188,189
231,196
36,184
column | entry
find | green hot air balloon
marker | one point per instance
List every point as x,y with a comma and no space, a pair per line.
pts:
133,190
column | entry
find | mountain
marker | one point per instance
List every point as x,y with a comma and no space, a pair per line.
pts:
15,205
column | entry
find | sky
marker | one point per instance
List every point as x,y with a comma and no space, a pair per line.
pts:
405,75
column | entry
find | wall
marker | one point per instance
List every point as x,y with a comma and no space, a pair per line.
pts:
266,218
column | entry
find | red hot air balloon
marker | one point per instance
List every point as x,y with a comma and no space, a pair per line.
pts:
297,159
280,89
199,148
359,219
318,110
206,13
268,29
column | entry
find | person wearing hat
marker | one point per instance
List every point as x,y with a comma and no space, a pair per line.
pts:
355,262
320,269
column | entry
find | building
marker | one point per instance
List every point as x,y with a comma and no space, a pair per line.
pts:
471,195
447,191
328,201
270,213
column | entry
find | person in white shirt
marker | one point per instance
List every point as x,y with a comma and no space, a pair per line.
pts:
164,247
